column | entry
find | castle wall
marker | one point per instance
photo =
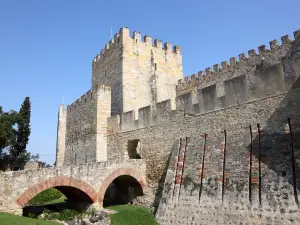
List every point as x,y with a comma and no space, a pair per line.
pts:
107,70
268,94
139,72
150,72
86,127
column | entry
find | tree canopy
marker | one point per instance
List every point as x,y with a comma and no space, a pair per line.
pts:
15,131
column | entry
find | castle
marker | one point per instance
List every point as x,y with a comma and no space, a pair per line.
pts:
238,157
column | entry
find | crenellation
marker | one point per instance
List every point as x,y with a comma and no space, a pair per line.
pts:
208,71
87,97
236,66
136,36
124,32
201,74
274,44
233,61
177,49
262,49
296,34
157,43
224,65
217,68
193,77
252,53
242,57
286,40
168,47
148,39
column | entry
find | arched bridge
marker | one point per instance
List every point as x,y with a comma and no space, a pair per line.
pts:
86,183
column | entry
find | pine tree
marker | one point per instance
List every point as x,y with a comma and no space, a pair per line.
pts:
23,130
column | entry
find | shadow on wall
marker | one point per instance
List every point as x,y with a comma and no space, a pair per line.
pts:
256,163
275,146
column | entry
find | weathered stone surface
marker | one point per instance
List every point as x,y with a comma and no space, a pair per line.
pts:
85,184
240,163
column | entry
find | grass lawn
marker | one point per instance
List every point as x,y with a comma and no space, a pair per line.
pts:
8,219
132,215
55,201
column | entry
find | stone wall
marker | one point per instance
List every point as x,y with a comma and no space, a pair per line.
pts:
245,65
267,94
83,183
86,127
150,72
236,176
107,70
135,68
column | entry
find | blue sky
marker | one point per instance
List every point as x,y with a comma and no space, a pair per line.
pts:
47,47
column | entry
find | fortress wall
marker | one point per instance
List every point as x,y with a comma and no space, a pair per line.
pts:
86,126
150,71
269,107
245,65
243,186
140,72
107,70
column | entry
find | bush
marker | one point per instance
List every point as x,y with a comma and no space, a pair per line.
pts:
46,196
65,215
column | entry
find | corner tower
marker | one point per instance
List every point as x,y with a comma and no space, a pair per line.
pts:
139,72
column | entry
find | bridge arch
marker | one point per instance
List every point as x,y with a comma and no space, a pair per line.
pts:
120,173
69,186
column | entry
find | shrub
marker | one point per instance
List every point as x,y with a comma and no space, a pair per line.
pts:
65,215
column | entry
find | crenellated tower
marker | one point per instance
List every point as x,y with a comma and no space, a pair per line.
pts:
140,72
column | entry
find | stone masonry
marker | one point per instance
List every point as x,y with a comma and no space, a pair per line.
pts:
84,184
220,147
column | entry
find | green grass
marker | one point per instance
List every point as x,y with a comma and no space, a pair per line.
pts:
132,215
47,196
8,219
55,201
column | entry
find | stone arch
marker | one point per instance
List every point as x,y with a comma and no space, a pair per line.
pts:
115,174
59,181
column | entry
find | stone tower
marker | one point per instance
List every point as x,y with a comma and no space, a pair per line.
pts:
127,75
140,73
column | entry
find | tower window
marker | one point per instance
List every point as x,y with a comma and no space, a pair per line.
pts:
155,66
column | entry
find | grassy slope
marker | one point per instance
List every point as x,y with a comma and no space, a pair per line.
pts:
46,196
8,219
132,215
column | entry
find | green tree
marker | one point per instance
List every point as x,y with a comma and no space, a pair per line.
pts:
23,130
8,121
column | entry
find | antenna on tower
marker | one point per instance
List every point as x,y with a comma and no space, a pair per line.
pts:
111,33
63,100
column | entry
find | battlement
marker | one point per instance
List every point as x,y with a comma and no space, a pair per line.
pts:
112,44
271,78
126,121
147,40
124,34
226,69
88,97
